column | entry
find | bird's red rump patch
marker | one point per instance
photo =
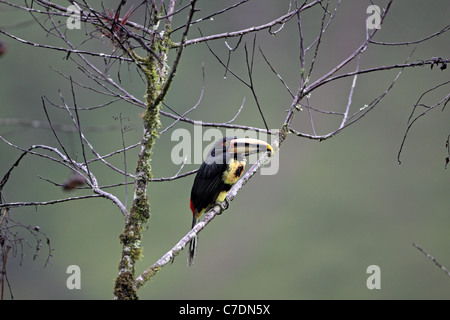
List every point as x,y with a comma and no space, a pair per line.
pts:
192,206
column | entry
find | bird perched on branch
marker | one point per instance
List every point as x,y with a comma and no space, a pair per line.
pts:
221,169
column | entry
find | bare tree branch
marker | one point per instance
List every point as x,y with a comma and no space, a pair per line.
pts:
209,216
239,33
151,50
432,259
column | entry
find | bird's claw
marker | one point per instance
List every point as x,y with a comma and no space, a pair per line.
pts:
223,205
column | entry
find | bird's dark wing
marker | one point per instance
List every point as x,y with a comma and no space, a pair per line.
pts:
207,185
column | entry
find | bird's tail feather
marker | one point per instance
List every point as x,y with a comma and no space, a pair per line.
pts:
193,244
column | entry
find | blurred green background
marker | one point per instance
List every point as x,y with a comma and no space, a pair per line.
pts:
310,231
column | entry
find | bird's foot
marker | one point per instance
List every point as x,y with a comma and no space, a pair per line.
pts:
223,205
172,259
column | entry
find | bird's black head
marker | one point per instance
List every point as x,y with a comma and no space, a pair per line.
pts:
219,153
235,148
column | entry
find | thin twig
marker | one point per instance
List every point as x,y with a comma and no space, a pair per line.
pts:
431,258
268,25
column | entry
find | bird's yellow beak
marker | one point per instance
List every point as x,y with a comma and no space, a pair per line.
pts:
248,146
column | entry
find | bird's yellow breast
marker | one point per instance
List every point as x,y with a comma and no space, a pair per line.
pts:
234,171
222,196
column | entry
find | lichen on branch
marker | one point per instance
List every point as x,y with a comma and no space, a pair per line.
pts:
158,78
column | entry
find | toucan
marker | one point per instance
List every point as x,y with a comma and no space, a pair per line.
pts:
222,168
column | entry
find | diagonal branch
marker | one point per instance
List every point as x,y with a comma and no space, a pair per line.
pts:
322,80
280,20
429,256
209,216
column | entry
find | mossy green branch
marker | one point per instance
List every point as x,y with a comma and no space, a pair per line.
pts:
158,80
140,210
